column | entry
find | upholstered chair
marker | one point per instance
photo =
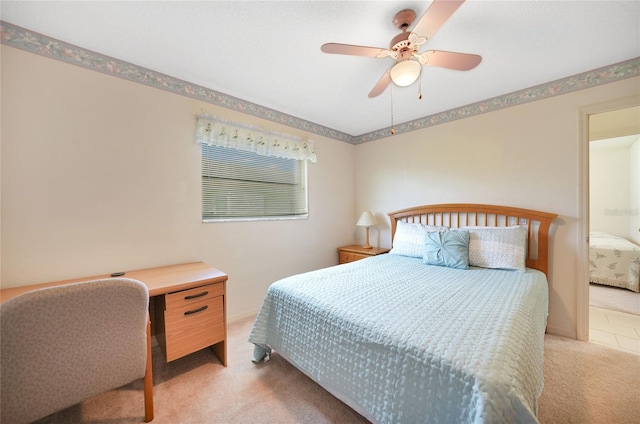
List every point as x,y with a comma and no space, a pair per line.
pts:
62,345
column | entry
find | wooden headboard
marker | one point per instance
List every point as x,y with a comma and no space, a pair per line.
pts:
464,214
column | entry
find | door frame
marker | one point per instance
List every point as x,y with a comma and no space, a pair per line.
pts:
582,294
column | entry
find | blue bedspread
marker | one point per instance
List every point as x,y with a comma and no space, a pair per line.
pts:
404,342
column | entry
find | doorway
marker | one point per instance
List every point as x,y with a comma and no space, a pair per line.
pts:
613,182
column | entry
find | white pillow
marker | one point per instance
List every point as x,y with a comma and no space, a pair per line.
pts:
498,247
409,238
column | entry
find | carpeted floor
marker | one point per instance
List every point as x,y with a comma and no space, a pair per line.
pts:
584,383
614,298
589,383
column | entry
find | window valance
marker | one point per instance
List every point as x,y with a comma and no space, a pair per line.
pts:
216,131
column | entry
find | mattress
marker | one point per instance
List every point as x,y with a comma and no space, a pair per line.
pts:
614,261
404,342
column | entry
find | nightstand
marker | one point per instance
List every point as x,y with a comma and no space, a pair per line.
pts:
356,252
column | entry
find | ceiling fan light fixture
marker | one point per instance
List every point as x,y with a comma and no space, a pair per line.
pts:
405,73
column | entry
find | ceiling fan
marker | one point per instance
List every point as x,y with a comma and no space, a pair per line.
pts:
404,47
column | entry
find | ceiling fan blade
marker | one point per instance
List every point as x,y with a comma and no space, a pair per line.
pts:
435,16
450,60
381,85
336,48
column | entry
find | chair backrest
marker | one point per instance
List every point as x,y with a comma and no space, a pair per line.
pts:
64,344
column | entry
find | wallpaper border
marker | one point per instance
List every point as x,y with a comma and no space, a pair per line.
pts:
24,39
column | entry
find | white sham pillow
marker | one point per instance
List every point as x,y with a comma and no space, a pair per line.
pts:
498,247
409,238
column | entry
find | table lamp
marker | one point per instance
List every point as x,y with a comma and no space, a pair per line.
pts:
366,220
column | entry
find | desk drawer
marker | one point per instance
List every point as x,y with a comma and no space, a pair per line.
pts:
192,296
193,326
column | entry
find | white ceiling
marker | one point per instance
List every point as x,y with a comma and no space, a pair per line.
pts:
268,52
613,143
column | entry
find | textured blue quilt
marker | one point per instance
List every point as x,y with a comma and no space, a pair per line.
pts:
404,342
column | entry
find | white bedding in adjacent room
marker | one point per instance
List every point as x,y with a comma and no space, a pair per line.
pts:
614,261
404,342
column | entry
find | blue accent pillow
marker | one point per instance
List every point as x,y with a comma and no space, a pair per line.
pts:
450,249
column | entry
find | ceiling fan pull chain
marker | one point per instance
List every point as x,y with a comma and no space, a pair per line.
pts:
420,87
391,93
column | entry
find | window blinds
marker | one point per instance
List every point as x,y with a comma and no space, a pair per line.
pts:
242,185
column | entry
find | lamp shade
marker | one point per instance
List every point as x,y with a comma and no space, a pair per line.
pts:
405,73
366,220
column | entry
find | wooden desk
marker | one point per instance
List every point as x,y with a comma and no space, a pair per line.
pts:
187,303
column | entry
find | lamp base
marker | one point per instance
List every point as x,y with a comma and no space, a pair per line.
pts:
366,243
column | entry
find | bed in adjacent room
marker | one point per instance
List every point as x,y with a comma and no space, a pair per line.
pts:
614,261
447,327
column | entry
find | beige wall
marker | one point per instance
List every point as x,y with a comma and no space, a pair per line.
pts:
100,174
525,156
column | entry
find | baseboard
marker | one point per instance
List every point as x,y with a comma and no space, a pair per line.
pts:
240,317
562,332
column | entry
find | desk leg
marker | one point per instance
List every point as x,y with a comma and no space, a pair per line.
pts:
148,378
220,350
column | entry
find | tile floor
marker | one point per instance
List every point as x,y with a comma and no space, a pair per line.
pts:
615,329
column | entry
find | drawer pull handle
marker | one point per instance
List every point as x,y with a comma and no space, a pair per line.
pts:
195,311
195,296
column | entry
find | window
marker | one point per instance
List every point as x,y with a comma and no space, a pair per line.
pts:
238,184
251,173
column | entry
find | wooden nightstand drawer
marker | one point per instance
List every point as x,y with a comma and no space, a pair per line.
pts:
346,257
194,326
355,252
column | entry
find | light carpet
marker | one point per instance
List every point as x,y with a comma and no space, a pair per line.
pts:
584,383
614,298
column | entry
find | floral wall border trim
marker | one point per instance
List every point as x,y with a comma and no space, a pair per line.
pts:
600,76
33,42
24,39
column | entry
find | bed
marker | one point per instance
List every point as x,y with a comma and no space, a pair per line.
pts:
414,336
614,261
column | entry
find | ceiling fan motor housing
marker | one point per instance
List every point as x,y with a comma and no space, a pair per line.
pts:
401,44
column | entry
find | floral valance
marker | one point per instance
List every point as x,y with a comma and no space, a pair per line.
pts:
216,131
